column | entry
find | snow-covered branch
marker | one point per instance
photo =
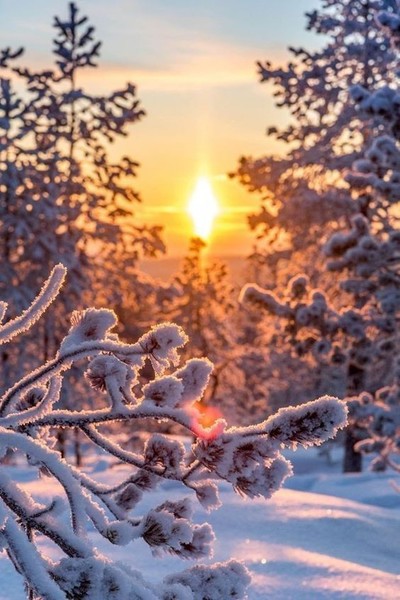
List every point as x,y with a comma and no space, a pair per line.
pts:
249,458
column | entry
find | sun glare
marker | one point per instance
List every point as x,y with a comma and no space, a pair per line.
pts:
203,208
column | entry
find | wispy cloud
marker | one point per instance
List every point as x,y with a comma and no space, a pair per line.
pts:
210,65
155,45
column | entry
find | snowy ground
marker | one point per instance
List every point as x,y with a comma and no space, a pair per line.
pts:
325,536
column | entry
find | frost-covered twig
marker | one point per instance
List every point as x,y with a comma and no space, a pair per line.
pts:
29,317
249,458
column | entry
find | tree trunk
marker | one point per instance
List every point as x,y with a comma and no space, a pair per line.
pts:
61,442
352,460
77,448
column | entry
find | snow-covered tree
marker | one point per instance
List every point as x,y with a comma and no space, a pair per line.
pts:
352,347
61,196
367,256
338,342
249,458
202,305
341,170
203,300
303,190
378,418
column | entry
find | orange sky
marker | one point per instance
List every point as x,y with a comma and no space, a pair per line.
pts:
194,67
199,129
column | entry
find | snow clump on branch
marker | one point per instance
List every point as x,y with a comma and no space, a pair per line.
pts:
250,458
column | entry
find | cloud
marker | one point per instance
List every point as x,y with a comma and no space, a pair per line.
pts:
208,66
183,50
159,47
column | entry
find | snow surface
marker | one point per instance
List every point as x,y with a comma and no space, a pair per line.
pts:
326,535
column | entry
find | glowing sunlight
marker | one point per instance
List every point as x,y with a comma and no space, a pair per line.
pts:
203,208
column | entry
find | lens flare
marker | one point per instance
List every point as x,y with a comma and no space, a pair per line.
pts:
203,208
208,422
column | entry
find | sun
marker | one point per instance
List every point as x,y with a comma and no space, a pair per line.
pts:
203,208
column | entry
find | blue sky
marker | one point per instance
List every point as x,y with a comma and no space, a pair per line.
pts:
194,65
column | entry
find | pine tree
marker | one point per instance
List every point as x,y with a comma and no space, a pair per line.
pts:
205,304
338,343
378,416
61,197
368,258
323,183
304,190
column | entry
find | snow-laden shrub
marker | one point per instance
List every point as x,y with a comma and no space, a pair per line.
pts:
378,417
249,458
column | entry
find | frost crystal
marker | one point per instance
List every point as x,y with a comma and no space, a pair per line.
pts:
248,457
